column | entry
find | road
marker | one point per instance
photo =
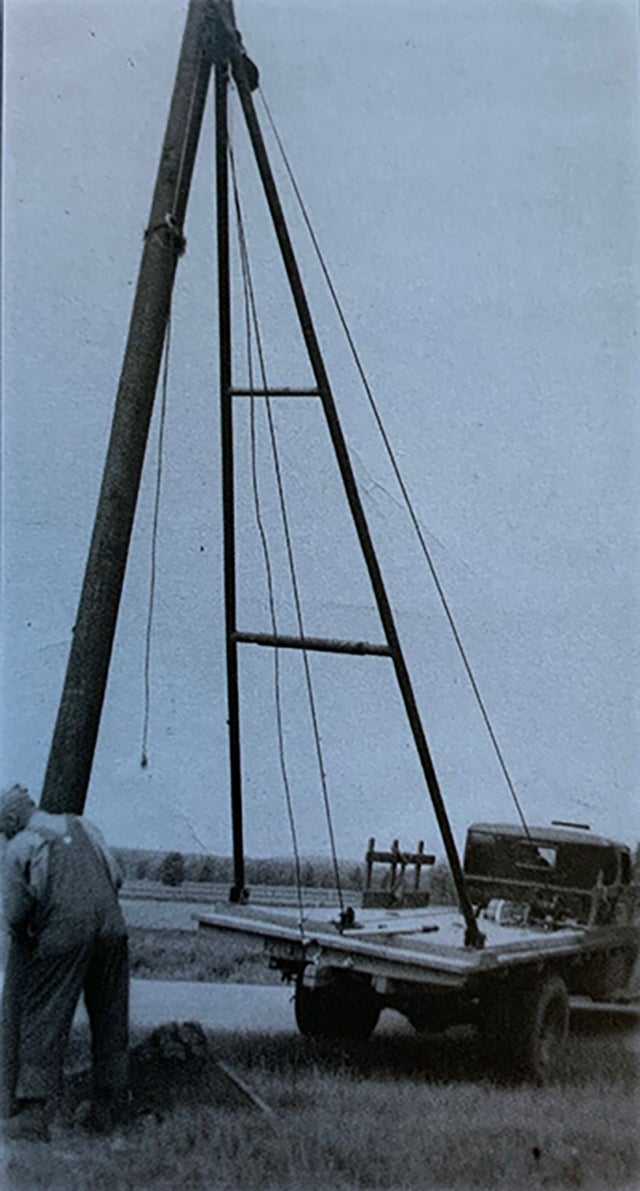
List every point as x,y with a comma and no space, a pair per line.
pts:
228,1007
247,1008
268,1009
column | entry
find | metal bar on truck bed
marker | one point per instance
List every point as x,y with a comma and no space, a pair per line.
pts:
374,932
320,644
400,857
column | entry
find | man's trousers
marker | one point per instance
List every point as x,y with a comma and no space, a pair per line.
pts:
39,1000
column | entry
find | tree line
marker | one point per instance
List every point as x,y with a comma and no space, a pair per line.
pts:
175,868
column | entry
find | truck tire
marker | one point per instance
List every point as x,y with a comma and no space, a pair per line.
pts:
523,1028
494,1027
540,1026
333,1011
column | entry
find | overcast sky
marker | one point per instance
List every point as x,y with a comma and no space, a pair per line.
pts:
471,171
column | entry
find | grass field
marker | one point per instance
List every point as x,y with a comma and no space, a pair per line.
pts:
159,907
398,1113
186,955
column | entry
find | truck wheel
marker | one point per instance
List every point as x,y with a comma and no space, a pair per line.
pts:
494,1026
540,1029
335,1012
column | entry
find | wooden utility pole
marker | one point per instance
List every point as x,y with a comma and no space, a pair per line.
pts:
73,745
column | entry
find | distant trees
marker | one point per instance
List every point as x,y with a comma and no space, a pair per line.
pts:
208,871
175,868
441,885
172,869
354,876
307,874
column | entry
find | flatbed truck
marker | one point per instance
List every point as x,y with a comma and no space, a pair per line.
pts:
557,918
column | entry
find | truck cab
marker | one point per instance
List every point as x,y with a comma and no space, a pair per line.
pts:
554,875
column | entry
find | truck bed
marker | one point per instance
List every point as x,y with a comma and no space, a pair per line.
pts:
424,945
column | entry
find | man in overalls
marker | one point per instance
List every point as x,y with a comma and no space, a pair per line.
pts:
67,936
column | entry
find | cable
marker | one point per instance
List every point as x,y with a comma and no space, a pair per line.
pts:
395,467
288,541
265,547
178,241
185,140
144,760
280,485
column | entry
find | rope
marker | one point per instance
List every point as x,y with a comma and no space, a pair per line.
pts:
170,225
169,222
390,453
144,761
288,541
177,240
246,283
185,141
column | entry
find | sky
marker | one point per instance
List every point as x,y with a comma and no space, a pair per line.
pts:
471,173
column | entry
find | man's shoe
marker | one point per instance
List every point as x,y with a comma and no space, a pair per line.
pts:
29,1123
108,1110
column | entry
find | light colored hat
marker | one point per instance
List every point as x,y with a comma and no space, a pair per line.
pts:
15,802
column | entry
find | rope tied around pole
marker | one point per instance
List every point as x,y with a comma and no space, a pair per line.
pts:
177,238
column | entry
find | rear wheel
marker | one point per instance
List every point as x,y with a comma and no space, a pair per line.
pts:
336,1010
524,1029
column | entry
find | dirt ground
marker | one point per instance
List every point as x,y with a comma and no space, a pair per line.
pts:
171,1066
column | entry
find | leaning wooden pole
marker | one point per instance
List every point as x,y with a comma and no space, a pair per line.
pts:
76,730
